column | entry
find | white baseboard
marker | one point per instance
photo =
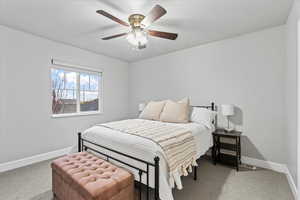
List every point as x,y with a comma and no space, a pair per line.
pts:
292,183
282,168
264,164
33,159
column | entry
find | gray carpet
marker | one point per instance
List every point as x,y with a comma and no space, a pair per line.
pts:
214,183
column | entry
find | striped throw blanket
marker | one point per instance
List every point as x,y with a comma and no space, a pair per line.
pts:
177,143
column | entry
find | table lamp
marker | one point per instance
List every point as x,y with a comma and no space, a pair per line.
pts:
227,110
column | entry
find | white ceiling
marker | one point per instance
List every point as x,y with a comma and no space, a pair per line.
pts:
76,22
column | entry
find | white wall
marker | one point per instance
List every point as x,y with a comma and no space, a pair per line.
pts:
246,71
28,128
291,90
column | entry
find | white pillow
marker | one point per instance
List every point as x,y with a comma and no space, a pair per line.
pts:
153,110
203,116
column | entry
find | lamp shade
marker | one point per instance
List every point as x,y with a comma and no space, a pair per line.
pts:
227,109
142,106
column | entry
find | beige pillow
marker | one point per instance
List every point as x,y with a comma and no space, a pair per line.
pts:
176,112
153,110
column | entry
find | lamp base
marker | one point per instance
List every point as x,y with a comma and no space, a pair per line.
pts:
228,130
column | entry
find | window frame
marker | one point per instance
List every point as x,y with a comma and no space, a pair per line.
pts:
78,70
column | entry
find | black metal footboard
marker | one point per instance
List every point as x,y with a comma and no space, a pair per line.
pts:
82,146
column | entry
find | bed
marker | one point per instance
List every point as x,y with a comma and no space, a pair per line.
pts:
143,157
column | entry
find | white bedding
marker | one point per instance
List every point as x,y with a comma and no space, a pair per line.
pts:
146,149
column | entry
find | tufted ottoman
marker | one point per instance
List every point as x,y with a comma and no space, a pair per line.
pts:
83,176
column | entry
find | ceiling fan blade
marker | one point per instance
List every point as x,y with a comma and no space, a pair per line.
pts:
165,35
114,36
156,13
106,14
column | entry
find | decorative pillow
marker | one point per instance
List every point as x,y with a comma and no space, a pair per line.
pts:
153,110
203,116
176,112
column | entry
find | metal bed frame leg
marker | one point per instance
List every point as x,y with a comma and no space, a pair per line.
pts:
79,142
195,173
148,193
156,184
140,184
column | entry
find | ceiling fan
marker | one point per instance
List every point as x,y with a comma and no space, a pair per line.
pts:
138,24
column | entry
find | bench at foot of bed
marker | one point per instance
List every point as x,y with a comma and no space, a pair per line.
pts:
83,176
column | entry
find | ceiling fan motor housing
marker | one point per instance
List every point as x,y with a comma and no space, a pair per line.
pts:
135,20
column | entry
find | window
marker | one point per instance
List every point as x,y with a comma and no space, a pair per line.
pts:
75,92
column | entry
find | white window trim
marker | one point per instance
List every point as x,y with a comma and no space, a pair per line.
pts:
77,114
56,64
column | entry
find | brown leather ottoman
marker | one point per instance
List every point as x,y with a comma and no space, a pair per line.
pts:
83,176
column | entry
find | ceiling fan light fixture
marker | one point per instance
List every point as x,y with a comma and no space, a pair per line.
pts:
138,23
138,38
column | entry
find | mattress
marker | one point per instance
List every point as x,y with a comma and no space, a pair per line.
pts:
146,149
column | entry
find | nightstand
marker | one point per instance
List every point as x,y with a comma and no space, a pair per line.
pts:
227,147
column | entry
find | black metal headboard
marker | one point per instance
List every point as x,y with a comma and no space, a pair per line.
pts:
211,106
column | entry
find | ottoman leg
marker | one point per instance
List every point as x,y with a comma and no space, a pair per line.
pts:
54,196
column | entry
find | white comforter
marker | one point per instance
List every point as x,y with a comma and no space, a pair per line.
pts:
146,149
